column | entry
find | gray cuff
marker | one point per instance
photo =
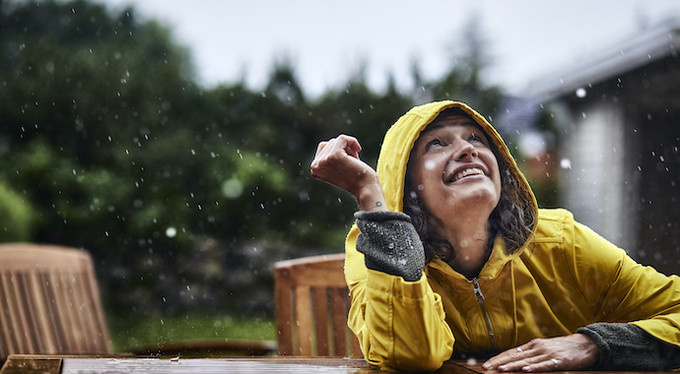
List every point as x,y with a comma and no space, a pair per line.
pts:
381,215
390,244
624,346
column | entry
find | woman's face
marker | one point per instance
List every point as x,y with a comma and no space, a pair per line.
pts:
454,170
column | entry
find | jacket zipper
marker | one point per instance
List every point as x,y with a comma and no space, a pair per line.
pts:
480,300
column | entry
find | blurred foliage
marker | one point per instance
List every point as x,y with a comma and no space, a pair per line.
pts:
158,329
184,195
18,222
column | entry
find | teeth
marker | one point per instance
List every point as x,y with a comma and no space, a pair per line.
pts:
466,172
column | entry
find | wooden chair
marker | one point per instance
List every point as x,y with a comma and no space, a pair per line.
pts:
312,302
49,302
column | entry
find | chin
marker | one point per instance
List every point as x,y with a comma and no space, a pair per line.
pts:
477,199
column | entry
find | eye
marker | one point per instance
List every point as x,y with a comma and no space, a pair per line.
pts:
476,138
433,143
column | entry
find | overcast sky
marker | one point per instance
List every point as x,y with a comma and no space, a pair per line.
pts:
328,40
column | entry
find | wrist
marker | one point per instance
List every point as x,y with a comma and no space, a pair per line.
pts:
371,198
589,348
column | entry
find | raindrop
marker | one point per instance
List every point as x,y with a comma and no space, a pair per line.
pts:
170,232
581,92
232,188
429,165
565,163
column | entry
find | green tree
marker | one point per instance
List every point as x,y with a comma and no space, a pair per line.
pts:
464,80
184,195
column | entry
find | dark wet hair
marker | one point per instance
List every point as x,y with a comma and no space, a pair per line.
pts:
512,219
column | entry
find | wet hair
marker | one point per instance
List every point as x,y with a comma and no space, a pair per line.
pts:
512,219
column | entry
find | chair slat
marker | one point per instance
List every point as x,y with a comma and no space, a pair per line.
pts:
18,313
40,323
318,325
25,302
283,293
303,317
7,341
320,301
60,316
85,312
55,330
339,307
96,312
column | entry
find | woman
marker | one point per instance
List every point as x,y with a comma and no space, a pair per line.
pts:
450,255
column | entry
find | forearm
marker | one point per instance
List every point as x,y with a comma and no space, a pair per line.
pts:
624,346
371,197
399,320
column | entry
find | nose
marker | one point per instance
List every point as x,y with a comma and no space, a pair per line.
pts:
465,152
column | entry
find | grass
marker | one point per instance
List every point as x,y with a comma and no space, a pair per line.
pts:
152,330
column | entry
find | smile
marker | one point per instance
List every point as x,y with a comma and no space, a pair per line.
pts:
466,172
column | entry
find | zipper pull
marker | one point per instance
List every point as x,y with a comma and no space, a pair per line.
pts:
478,291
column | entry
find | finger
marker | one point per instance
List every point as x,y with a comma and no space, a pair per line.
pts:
321,146
350,145
505,357
324,150
551,364
523,364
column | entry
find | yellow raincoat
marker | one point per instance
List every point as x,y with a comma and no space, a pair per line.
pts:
564,277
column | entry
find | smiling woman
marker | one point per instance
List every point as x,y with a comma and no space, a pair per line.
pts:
454,170
451,257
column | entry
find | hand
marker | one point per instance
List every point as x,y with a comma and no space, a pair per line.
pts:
571,352
337,162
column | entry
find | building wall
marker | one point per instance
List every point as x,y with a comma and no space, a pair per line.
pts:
623,143
593,147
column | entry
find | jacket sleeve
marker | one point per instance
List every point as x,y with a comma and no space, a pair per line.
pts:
624,346
622,290
400,325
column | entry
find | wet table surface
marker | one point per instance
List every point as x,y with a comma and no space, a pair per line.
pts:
58,364
114,364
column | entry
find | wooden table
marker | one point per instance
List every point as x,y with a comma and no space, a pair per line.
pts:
59,364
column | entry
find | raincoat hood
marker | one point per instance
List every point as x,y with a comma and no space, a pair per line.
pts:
401,137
